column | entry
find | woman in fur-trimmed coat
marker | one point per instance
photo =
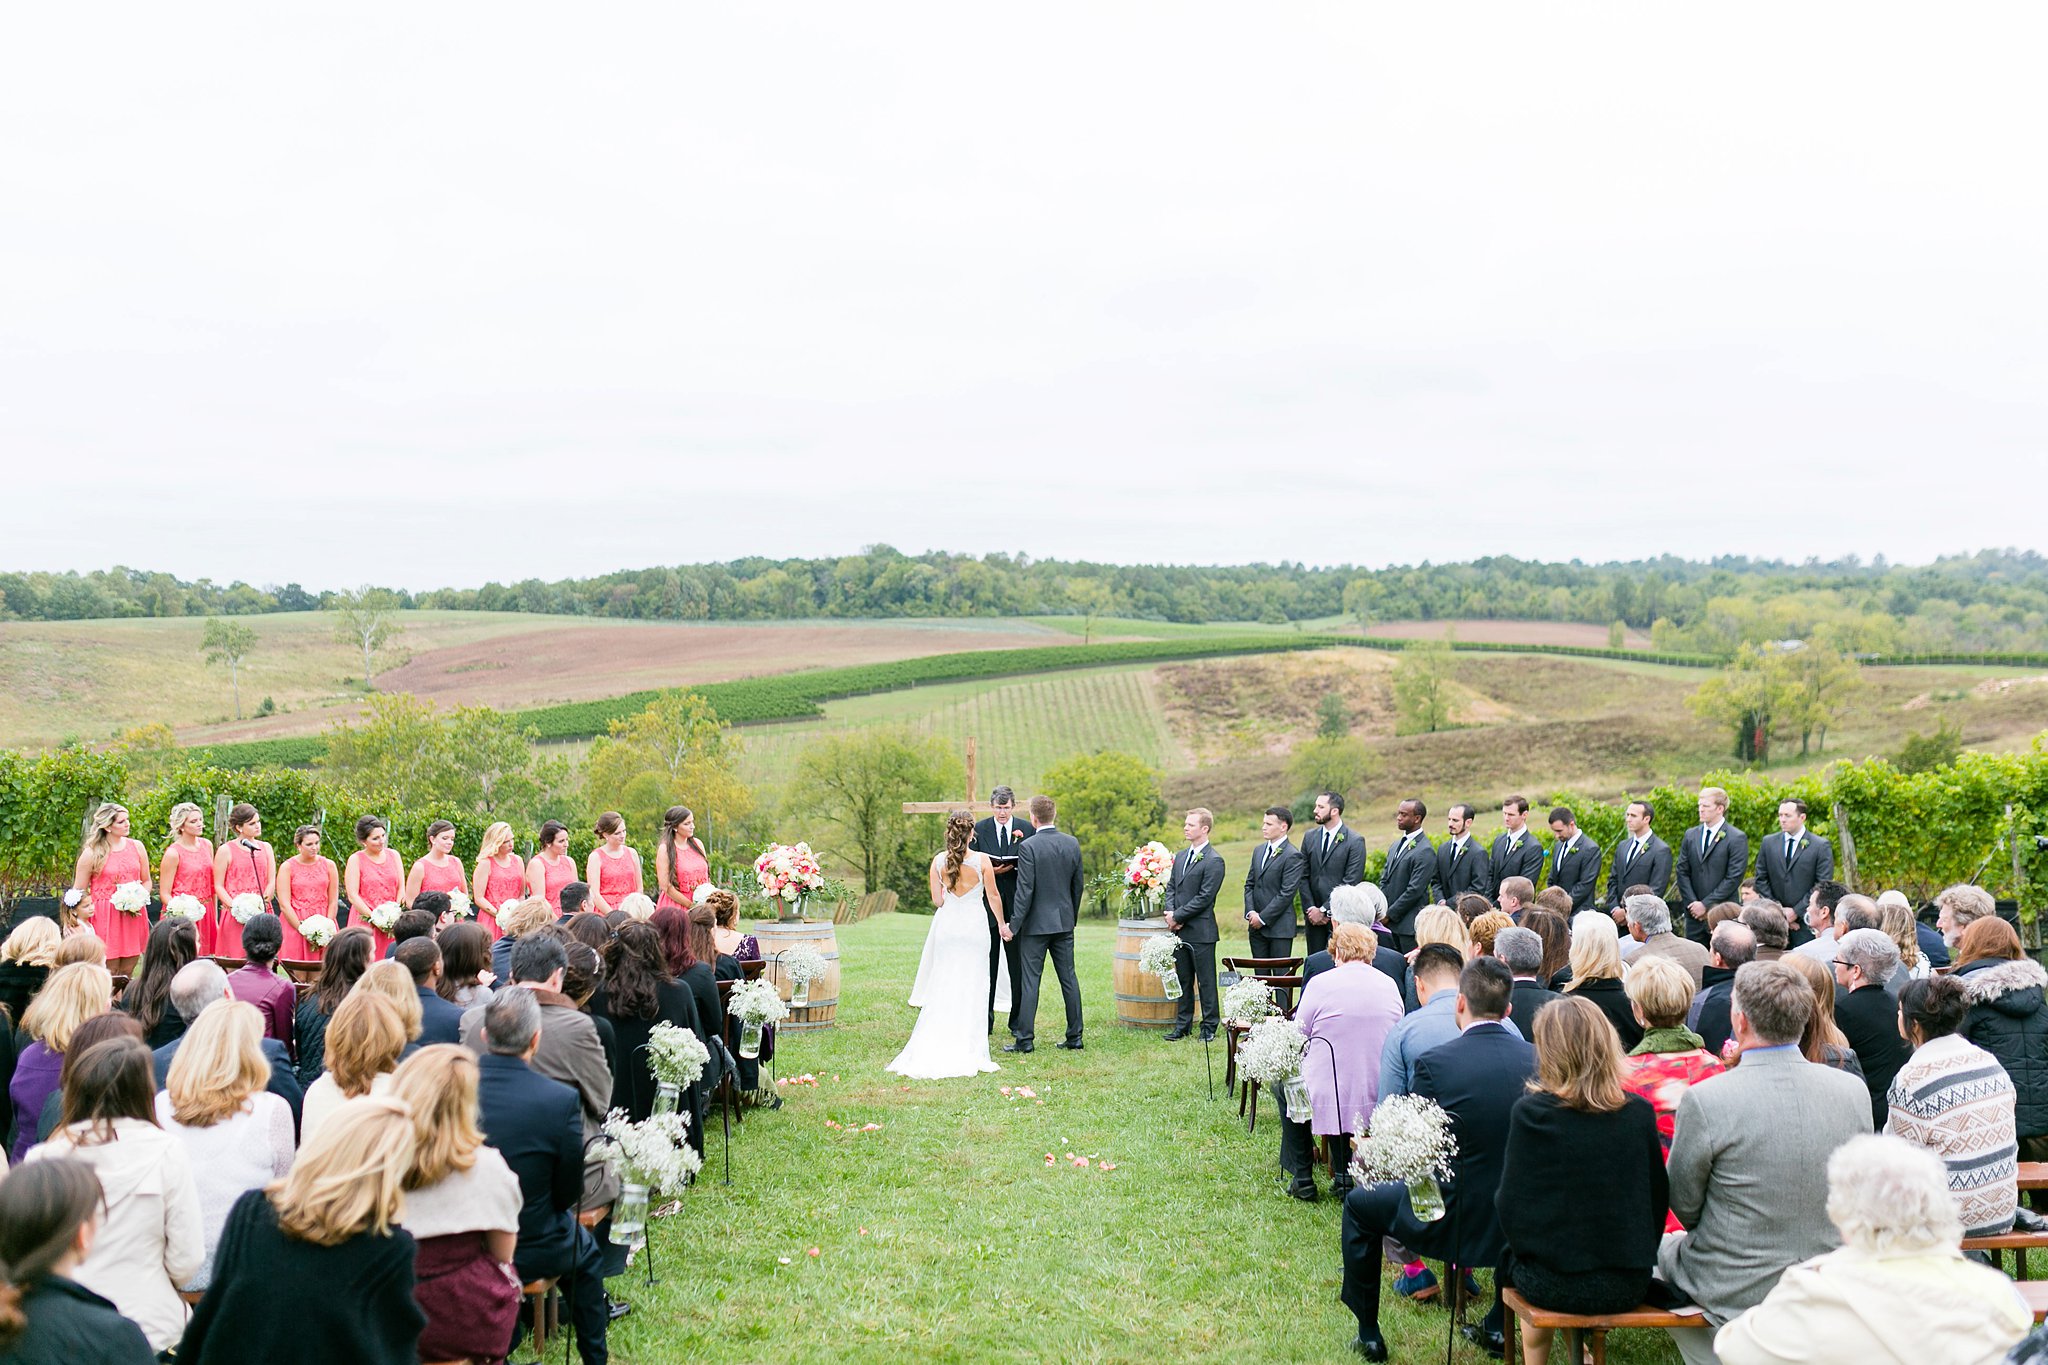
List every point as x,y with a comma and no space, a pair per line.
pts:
2008,1018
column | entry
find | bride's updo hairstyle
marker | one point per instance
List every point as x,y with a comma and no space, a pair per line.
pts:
959,834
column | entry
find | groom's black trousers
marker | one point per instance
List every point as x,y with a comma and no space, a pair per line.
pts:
1000,950
1031,952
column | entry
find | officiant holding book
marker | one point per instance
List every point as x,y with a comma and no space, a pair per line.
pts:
998,836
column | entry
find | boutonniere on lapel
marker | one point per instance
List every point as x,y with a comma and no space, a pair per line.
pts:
1196,856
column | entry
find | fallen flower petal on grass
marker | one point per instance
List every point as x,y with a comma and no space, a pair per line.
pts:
1050,1160
871,1127
782,1260
813,1251
1004,1089
863,1232
1106,1165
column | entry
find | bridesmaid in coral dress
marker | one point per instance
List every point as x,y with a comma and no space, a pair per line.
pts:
680,862
552,868
375,875
187,868
500,877
244,864
108,860
438,869
307,885
613,868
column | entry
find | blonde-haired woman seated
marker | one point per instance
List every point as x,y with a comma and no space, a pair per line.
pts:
1485,928
638,906
316,1267
237,1134
1898,1290
394,983
462,1207
25,963
1434,924
1596,974
87,947
518,920
74,994
363,1044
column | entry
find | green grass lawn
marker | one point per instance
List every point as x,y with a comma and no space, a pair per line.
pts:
943,1235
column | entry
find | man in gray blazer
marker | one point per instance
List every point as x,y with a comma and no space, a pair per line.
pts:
1753,1202
1048,904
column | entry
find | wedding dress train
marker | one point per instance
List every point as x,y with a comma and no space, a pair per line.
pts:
951,993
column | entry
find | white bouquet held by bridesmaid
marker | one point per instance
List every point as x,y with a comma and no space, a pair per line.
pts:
385,916
317,930
1409,1141
131,898
246,907
458,908
186,907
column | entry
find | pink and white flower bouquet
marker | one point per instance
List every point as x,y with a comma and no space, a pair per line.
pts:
1145,874
787,873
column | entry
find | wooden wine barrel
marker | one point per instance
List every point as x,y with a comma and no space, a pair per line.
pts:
774,936
1140,999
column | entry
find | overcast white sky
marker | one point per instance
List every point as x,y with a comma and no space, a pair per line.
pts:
433,294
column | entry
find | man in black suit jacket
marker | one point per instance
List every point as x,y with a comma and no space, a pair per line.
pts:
1048,905
1462,866
1270,887
1522,950
1190,908
1516,851
1332,855
1640,859
1477,1076
999,837
1574,859
440,1020
1713,858
537,1126
1410,868
1792,862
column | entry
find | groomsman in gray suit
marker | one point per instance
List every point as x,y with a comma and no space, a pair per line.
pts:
1574,859
1516,851
1270,887
1190,909
1713,858
1461,864
1411,867
1048,904
1332,855
1641,859
1789,866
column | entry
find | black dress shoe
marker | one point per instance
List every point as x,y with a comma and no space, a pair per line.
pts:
1305,1193
1174,1035
618,1310
1208,1035
1071,1047
1373,1347
1493,1343
1018,1047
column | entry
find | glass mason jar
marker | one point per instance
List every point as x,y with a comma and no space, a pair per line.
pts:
629,1215
750,1039
1426,1198
799,992
1170,983
1295,1093
667,1097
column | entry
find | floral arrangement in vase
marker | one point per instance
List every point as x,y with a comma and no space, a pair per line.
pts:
1247,1000
1145,875
803,964
675,1055
1409,1140
649,1155
1155,955
756,1004
787,873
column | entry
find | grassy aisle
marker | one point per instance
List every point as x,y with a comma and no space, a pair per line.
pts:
943,1234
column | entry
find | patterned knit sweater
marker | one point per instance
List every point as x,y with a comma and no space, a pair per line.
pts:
1953,1098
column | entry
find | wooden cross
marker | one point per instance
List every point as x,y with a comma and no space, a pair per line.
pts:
970,805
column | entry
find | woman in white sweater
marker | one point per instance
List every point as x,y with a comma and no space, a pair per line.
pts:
238,1136
151,1239
363,1044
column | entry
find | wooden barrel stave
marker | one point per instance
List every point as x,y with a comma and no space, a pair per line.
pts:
823,1010
1140,999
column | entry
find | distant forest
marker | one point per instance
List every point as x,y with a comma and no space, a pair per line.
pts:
1991,600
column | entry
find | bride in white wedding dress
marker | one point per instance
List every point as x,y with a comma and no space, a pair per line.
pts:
951,994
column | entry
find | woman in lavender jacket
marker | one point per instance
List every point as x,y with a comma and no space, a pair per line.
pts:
1347,1013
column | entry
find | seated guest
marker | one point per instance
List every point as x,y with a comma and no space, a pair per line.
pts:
1436,924
1817,918
1557,901
26,960
1926,937
1823,1042
418,922
1582,1184
1863,961
341,966
363,1046
1557,945
1517,897
1766,920
81,947
1898,1289
256,981
637,906
1670,1059
518,920
395,984
466,974
1522,951
100,1028
1477,1077
1649,924
237,1136
1953,1098
462,1208
589,927
316,1268
575,898
1730,945
1346,1014
702,972
535,1124
1470,906
1436,972
639,993
1485,928
1897,923
73,994
196,986
152,1239
2008,1018
1596,974
1753,1200
1365,905
1958,908
440,1021
50,1214
171,944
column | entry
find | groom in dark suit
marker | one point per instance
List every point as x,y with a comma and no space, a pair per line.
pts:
1048,903
1000,836
1190,909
